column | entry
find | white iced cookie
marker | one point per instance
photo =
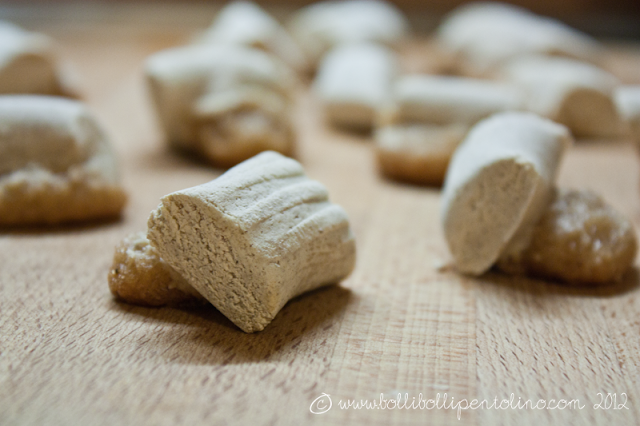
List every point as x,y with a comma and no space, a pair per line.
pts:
427,118
353,82
259,235
28,64
499,183
246,23
223,102
570,92
484,35
56,164
324,25
627,99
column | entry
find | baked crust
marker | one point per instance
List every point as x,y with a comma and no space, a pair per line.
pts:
581,239
224,103
39,197
56,164
417,154
140,276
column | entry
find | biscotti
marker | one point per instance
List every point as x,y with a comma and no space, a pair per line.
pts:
56,164
249,241
224,103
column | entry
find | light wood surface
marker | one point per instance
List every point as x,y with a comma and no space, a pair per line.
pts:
403,322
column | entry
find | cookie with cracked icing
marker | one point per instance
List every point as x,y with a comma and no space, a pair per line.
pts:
28,64
56,164
252,239
138,275
224,103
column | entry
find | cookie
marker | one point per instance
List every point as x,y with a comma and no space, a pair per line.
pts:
252,239
579,239
627,99
56,164
499,183
322,26
28,64
246,23
576,94
417,153
139,276
427,118
354,82
224,103
485,36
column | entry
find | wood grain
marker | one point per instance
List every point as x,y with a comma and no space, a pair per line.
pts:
402,323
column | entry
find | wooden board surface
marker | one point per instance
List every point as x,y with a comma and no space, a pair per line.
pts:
71,355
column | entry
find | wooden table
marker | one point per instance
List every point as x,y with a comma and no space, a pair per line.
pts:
71,355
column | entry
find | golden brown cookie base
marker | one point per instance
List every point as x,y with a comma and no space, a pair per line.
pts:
139,276
417,154
407,167
54,202
581,239
50,202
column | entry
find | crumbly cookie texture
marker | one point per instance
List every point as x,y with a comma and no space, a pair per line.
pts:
576,94
579,239
225,103
246,23
56,165
353,82
426,119
259,235
497,187
28,64
140,276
